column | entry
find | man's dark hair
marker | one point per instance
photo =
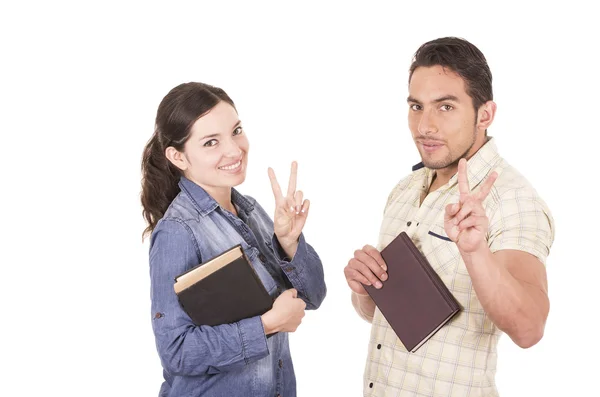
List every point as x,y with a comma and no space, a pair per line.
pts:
461,57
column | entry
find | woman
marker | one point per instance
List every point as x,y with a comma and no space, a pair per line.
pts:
198,153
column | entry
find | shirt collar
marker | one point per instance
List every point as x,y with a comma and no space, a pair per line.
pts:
204,202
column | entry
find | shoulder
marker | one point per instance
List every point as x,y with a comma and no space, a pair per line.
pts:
512,187
402,185
172,230
181,208
516,210
175,225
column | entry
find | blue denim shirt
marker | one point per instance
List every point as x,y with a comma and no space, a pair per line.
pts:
230,359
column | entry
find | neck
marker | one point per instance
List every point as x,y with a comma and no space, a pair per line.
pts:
443,175
222,195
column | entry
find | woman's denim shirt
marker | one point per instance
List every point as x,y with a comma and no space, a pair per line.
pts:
230,359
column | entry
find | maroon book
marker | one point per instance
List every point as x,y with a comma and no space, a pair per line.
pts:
414,300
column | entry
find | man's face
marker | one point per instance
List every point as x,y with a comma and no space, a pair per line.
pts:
441,117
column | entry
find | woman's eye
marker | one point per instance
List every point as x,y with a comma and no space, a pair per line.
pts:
238,130
212,142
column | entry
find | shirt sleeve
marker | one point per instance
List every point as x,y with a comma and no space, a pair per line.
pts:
184,348
304,271
521,221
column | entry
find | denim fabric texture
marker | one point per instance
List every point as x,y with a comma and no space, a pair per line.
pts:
230,359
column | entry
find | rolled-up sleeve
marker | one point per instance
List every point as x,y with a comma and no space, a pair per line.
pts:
304,271
522,221
184,348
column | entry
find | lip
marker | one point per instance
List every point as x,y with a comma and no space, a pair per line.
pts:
235,170
431,146
232,163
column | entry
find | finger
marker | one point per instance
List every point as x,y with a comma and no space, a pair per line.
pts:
298,197
293,176
451,210
375,271
375,254
471,221
366,272
465,210
355,276
275,186
305,207
294,292
290,204
463,180
487,186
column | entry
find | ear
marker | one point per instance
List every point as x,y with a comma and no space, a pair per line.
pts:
485,115
176,158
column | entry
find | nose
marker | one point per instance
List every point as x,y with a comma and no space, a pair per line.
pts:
427,123
231,148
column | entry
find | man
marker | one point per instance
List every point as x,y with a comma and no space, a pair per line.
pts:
480,224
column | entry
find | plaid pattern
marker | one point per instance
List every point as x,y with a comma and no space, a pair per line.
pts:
460,359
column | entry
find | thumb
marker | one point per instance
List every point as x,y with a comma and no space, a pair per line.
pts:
294,292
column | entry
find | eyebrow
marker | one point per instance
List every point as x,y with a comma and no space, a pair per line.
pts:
437,100
217,134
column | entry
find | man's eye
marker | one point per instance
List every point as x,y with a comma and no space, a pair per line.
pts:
446,108
415,107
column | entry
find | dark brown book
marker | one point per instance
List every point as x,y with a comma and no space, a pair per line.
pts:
414,300
222,290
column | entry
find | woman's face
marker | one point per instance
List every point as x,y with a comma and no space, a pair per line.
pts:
216,154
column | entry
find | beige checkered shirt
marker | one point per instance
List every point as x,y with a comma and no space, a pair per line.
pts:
460,359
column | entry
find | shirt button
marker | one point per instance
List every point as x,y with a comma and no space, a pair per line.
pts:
379,346
280,363
262,258
288,268
408,223
371,385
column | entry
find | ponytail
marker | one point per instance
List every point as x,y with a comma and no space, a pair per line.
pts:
160,183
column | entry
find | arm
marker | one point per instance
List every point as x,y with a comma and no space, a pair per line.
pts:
304,270
507,268
184,348
512,288
367,267
298,260
364,306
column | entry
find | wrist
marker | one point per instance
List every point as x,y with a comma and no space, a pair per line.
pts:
286,242
481,253
289,246
269,323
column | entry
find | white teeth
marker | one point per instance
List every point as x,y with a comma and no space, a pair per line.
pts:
232,167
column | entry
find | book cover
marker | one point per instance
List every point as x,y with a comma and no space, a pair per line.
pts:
414,300
222,290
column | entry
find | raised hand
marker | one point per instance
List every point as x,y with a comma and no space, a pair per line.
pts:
466,222
291,210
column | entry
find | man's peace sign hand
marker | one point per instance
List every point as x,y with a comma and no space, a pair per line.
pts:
466,222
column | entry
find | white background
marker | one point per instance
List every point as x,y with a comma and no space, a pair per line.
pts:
320,82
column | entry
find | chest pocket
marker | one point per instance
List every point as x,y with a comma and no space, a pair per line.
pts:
255,257
442,253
